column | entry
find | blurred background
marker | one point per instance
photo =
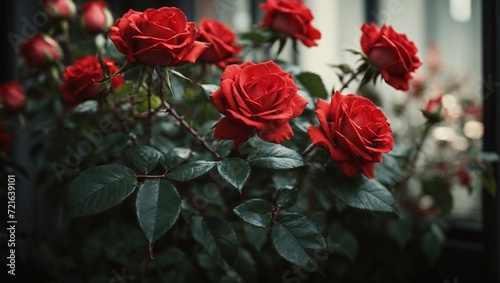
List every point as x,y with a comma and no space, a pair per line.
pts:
458,43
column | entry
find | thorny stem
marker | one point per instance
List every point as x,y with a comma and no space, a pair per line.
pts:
67,40
192,131
308,150
353,77
150,111
416,155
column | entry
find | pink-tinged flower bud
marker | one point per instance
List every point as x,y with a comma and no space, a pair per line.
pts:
40,51
96,17
12,96
434,110
59,9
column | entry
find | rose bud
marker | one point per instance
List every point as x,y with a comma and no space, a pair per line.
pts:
391,53
434,110
222,46
4,140
12,96
96,17
354,131
81,80
290,17
160,37
256,99
464,176
40,51
59,9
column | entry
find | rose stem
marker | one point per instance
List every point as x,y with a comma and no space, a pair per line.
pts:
309,148
418,150
190,129
150,111
346,84
67,40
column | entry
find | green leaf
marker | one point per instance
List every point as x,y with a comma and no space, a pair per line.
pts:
234,170
209,88
389,171
191,170
157,206
218,238
313,84
343,242
432,243
286,197
295,238
257,212
98,189
145,158
255,37
275,157
360,192
400,230
489,156
175,156
245,267
439,189
256,236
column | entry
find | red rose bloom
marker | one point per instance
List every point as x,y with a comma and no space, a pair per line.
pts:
222,40
59,9
40,51
12,96
354,131
96,17
392,53
160,37
256,98
4,140
81,79
292,18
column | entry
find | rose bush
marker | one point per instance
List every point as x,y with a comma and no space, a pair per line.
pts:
256,98
160,37
40,51
96,17
292,18
392,53
81,80
222,49
252,172
354,131
12,96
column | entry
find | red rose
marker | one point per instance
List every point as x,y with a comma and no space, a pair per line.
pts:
96,17
292,18
160,37
12,96
256,98
40,51
4,140
354,131
392,53
81,79
222,40
59,9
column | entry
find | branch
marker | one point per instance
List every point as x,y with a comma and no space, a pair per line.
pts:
191,130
